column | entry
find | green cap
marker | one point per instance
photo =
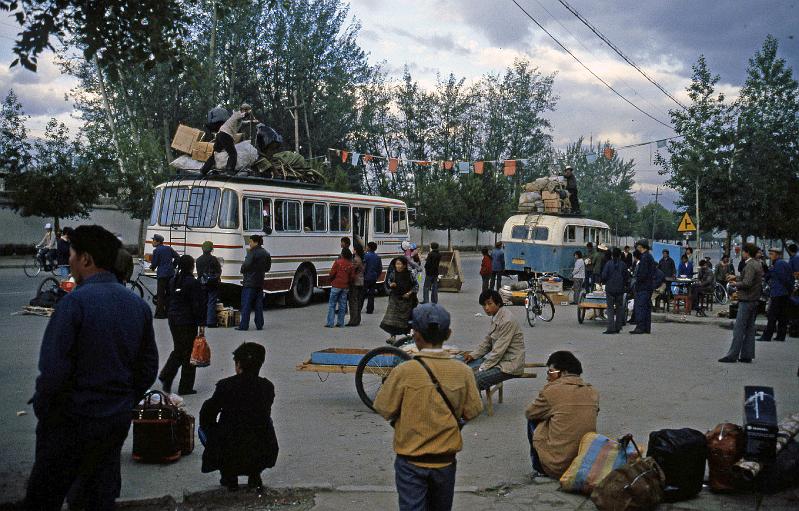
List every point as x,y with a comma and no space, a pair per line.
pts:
207,246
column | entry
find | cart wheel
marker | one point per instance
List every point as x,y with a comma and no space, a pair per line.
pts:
49,284
580,314
530,308
373,369
546,309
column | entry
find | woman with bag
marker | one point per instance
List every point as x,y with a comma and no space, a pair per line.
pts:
186,311
356,287
401,299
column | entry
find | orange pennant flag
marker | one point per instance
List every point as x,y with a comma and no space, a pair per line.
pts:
510,167
344,155
449,164
478,167
367,157
393,163
608,153
423,163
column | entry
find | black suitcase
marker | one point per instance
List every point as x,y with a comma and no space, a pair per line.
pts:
760,423
682,454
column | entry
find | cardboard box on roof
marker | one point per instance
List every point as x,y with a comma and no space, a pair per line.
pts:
202,151
185,138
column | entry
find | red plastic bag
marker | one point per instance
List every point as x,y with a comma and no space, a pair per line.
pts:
201,352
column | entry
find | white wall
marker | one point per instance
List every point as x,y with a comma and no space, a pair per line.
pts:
465,239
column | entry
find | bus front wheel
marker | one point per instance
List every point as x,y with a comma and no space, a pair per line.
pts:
302,288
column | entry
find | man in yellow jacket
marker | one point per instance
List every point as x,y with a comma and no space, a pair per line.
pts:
564,411
428,399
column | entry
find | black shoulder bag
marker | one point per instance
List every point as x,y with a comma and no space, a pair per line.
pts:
458,419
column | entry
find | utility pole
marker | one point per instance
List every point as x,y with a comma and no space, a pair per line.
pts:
294,110
698,238
654,211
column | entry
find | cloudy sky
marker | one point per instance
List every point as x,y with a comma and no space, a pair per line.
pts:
474,37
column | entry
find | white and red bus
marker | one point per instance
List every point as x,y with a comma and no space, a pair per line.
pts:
302,227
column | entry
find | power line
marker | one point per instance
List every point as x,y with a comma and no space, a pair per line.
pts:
586,48
606,84
618,51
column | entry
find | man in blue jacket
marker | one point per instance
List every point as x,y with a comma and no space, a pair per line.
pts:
497,266
615,276
372,269
780,280
644,282
164,261
98,358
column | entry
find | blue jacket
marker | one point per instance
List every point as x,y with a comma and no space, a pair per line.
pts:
794,262
164,261
98,354
686,269
615,276
497,260
780,278
372,267
645,273
186,305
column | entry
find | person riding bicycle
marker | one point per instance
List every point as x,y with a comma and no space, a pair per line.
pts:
46,248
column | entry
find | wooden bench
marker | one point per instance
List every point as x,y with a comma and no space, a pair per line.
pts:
498,388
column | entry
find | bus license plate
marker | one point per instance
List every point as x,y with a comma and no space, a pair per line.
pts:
518,261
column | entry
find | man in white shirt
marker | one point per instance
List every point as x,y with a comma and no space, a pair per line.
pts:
225,140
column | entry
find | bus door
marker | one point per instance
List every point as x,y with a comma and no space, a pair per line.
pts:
360,226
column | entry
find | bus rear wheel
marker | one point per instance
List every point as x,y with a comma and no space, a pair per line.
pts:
302,288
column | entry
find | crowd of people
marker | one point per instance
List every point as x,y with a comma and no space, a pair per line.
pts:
98,357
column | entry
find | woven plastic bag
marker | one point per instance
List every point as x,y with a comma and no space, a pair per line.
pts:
201,352
597,457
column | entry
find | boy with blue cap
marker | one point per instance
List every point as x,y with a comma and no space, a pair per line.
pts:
428,399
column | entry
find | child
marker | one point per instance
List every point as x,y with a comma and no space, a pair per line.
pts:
237,422
485,269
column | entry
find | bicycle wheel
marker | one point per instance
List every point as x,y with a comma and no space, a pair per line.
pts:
32,266
49,284
721,295
529,306
374,368
135,287
546,309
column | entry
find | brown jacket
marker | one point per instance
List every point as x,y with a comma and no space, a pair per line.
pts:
565,410
424,424
750,286
503,347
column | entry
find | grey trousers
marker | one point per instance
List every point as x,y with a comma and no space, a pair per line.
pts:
743,333
615,311
577,290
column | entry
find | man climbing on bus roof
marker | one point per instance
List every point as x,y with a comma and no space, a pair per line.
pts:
571,187
225,139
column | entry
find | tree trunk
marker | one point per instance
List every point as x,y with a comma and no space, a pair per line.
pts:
477,240
167,149
109,115
449,239
212,56
142,233
728,244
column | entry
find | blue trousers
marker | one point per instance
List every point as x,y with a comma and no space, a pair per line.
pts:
643,310
424,489
489,377
533,454
252,300
211,296
743,333
430,289
337,297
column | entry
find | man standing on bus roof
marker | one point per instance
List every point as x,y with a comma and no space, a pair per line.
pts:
571,187
256,265
225,140
163,262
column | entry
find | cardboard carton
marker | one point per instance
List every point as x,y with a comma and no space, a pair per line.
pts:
202,151
185,138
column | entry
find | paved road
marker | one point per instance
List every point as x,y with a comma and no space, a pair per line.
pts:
328,438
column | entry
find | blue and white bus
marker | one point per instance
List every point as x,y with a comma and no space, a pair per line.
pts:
545,243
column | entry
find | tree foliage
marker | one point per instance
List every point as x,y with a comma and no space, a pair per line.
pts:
14,144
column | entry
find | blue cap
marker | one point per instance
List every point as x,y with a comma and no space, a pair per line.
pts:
428,314
158,237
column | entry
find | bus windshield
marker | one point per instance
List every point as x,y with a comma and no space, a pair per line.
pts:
195,207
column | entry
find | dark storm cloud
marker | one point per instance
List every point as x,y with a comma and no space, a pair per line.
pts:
442,42
727,33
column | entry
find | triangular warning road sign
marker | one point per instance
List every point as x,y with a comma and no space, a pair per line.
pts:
686,224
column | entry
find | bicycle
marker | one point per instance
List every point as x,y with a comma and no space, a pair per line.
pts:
721,294
538,304
138,286
33,265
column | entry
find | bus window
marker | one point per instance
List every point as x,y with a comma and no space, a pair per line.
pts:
203,207
570,234
519,232
541,234
339,218
314,216
382,221
174,205
156,206
588,234
287,215
229,211
399,221
253,214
